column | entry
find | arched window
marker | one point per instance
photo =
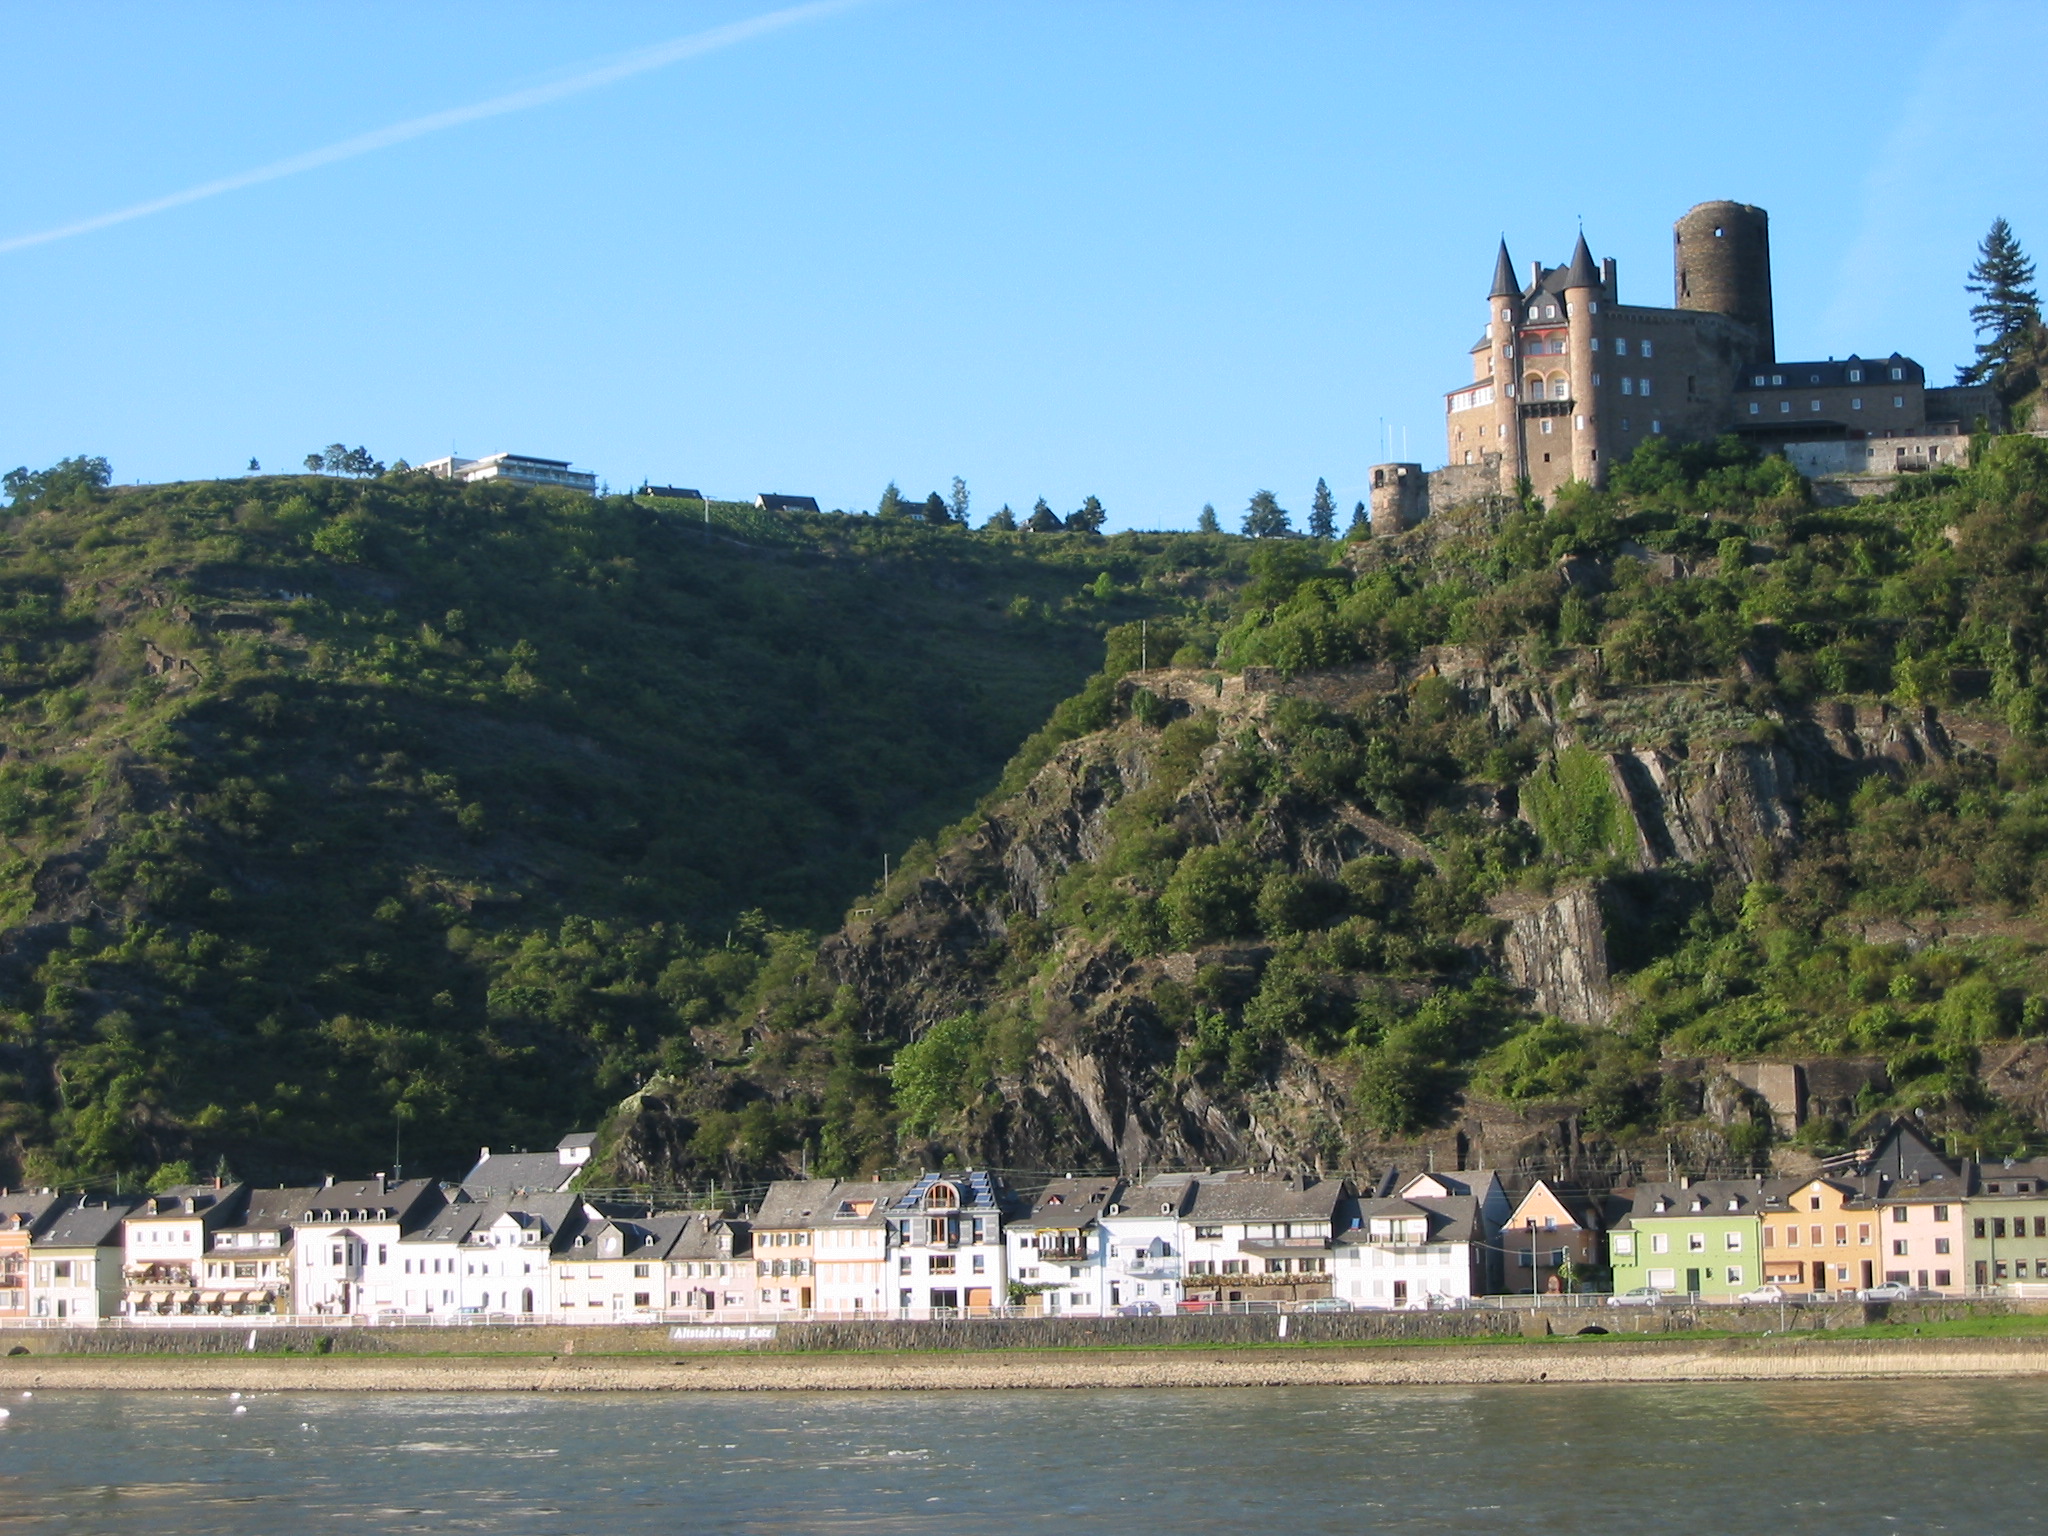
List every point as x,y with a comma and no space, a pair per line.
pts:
1532,387
942,1197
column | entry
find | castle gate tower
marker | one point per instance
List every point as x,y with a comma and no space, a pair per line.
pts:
1582,314
1722,259
1502,305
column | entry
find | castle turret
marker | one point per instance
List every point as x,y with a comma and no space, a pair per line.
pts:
1582,314
1722,259
1501,319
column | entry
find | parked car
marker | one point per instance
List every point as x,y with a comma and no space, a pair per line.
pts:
1769,1291
1891,1290
1641,1296
1138,1309
1325,1304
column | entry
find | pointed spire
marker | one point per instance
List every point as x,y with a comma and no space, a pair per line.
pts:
1504,284
1583,273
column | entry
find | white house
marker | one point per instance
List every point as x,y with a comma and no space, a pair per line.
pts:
515,468
1145,1242
947,1245
1261,1239
347,1254
164,1242
1059,1251
1418,1251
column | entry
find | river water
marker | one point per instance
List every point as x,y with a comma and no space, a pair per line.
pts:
1784,1458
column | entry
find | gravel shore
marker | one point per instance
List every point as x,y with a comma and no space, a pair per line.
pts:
1802,1358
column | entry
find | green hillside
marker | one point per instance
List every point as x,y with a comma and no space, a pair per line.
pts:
1536,833
341,809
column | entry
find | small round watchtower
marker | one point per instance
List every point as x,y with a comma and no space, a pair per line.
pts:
1721,256
1400,498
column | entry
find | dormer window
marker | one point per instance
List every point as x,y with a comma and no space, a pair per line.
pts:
1777,378
1699,1202
1532,312
1758,381
942,1197
1550,311
1855,375
1898,373
1734,1204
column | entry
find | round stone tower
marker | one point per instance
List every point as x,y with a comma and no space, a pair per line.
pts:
1722,256
1400,498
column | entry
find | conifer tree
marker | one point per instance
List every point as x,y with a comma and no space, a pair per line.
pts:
1207,523
1361,525
1322,512
959,501
1089,519
1005,521
2007,311
1265,518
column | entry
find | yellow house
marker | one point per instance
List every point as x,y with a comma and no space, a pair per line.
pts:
1823,1236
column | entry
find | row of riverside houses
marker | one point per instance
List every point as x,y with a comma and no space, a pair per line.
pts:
513,1241
1899,1213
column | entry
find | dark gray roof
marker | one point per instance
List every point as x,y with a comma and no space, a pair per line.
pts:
511,1173
86,1224
1828,374
1504,284
1251,1199
271,1210
28,1209
1070,1204
1707,1198
350,1200
772,501
576,1139
2003,1180
1582,273
821,1202
1451,1218
976,1189
190,1200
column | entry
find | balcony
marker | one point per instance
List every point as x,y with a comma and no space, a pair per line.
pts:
1153,1269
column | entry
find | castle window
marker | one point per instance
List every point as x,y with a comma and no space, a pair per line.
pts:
1813,378
1898,402
1578,423
1813,405
1898,373
1596,343
1628,385
1532,311
1776,378
1717,231
1855,404
1624,423
1656,426
1620,347
1550,313
1784,407
1754,408
1642,386
1855,375
1592,306
1758,381
1646,349
1546,432
1596,381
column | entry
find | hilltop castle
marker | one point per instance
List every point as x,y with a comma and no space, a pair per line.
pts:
1567,380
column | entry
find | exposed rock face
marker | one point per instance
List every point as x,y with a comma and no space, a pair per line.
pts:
1556,951
1104,1084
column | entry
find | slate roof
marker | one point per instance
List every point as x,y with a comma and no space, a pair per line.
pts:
977,1192
825,1202
1070,1204
353,1200
28,1209
1451,1218
771,501
84,1223
512,1173
1706,1199
1257,1199
189,1200
1834,372
2002,1180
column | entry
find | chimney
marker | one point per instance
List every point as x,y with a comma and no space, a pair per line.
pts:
483,1154
1535,273
327,1181
1607,279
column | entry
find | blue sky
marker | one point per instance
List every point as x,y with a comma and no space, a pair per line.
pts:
1162,254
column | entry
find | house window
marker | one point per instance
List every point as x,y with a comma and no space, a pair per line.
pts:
1898,1247
1695,1242
1898,373
1940,1213
1941,1245
1734,1274
1624,1244
1855,402
1899,1214
1863,1232
1941,1277
1855,375
1978,1227
1841,1237
1734,1242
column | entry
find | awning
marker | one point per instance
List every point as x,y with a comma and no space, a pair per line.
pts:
212,1298
137,1298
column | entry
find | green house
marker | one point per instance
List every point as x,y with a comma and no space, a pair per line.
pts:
1697,1237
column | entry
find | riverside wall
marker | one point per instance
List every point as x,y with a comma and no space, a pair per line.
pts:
995,1334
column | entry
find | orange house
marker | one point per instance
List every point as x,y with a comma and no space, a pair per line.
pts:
1822,1236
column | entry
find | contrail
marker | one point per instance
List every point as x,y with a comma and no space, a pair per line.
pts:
656,57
